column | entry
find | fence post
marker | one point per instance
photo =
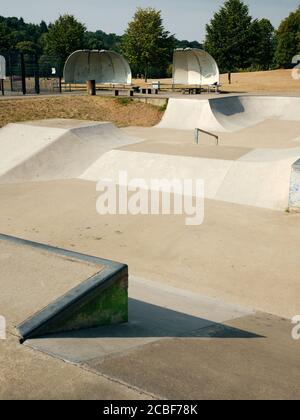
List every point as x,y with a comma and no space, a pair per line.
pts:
2,87
37,75
10,73
23,74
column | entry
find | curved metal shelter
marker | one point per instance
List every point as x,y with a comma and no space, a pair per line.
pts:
102,66
192,66
2,68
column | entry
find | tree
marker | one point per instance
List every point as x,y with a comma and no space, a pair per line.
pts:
27,47
288,39
146,43
65,36
228,36
100,40
188,44
6,38
262,40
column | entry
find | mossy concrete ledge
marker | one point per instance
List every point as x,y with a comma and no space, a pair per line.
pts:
100,300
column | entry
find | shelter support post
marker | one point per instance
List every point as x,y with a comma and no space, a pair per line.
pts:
91,87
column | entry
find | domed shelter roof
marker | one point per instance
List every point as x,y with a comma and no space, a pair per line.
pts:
101,66
192,66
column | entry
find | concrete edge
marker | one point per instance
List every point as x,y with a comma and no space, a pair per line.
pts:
76,296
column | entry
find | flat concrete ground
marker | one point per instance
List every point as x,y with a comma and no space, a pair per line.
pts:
272,133
240,254
243,256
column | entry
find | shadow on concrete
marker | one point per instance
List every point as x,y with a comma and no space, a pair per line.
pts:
151,321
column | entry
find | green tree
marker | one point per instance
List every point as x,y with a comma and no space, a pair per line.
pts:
146,43
262,44
27,47
65,36
188,44
6,38
100,40
229,36
288,39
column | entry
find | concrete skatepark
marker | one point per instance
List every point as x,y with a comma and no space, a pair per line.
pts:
220,292
259,143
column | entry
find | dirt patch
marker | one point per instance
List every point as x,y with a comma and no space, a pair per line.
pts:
122,113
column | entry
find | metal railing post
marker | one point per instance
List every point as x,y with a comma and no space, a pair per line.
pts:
199,130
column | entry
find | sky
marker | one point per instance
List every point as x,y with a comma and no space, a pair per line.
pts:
184,18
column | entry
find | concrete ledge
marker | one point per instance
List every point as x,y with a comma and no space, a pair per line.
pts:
100,300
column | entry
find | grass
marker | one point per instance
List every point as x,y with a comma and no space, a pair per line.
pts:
123,112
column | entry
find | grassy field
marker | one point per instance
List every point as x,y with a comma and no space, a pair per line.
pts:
261,81
122,112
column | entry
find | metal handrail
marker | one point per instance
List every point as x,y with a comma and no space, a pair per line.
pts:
199,130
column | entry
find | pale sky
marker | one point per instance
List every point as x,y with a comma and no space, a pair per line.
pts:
185,18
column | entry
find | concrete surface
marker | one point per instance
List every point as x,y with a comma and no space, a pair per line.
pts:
32,279
156,311
218,367
260,178
197,343
240,254
54,149
231,172
267,134
26,374
228,113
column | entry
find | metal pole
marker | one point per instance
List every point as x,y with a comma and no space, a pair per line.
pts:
199,130
23,74
196,135
10,73
2,87
37,75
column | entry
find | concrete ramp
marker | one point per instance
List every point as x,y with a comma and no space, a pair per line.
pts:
54,149
260,178
49,290
230,114
188,114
